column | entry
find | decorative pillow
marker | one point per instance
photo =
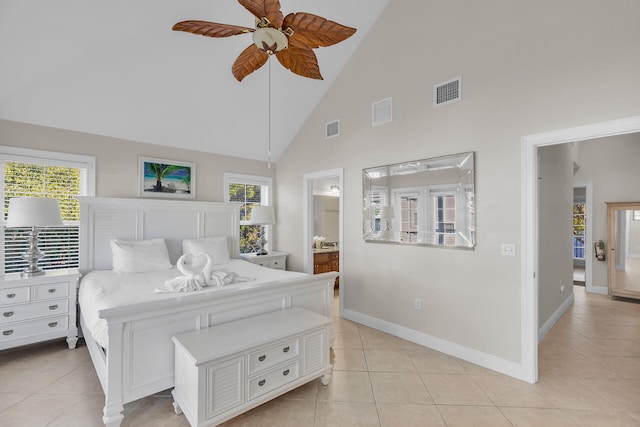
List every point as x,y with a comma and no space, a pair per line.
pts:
139,256
216,247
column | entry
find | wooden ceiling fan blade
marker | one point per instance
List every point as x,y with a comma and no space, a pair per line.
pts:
269,9
301,61
248,61
314,31
210,29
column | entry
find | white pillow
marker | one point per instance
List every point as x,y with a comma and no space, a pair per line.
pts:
139,256
216,247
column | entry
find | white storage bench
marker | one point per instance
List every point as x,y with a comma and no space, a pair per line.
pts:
225,370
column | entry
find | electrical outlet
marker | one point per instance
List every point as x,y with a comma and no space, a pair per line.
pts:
508,249
417,303
561,287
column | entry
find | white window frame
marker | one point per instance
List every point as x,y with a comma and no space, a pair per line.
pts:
87,165
584,236
397,195
265,200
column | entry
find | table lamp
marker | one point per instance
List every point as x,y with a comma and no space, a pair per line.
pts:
33,212
262,215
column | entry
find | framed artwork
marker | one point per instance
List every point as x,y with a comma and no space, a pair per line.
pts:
166,178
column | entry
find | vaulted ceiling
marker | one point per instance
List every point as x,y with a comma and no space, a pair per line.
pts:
115,68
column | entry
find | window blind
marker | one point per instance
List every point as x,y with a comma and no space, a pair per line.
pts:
60,244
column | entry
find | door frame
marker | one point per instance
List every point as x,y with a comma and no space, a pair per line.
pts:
307,222
529,228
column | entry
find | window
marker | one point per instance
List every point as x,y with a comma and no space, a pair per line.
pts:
248,191
444,217
45,174
409,218
579,226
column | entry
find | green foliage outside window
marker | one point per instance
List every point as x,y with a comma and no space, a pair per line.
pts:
62,183
60,244
247,196
579,219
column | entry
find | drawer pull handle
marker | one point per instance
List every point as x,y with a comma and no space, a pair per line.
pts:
11,295
262,382
53,307
53,324
285,373
7,313
261,358
286,349
52,290
7,333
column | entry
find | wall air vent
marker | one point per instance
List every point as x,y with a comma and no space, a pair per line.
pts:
446,92
332,129
381,112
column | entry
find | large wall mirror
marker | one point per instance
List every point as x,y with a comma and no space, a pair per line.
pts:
425,202
623,220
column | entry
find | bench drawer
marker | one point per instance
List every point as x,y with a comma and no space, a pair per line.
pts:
273,379
271,356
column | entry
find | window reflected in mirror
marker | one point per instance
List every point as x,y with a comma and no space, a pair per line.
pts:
424,202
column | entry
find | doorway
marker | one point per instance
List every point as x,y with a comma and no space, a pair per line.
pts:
529,237
323,211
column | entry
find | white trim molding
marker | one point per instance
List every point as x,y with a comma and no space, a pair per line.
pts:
486,360
529,267
544,329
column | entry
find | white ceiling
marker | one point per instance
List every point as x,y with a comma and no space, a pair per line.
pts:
116,68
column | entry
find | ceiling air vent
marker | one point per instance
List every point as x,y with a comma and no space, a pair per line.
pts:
333,129
381,112
446,92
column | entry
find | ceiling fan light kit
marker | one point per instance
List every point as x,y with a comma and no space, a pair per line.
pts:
270,40
290,38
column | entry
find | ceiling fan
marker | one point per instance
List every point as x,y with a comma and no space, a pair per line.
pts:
290,38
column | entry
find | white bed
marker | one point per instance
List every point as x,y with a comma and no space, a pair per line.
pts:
132,352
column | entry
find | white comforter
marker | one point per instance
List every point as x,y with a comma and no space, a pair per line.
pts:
104,289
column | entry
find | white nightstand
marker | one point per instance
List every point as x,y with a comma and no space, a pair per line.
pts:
276,260
38,308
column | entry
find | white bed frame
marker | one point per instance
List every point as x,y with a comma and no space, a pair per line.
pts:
139,359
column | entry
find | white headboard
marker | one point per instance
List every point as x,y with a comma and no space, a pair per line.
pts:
102,219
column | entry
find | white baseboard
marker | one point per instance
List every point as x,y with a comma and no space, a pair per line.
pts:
486,360
603,290
544,329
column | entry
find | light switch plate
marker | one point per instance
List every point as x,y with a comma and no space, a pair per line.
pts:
508,249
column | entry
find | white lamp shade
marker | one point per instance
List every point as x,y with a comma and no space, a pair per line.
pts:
387,212
262,215
33,212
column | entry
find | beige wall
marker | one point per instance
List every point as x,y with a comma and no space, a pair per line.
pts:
611,164
325,217
555,198
117,160
527,68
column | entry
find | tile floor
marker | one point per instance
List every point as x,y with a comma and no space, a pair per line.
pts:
589,376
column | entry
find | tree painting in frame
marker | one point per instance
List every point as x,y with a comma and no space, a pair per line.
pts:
166,178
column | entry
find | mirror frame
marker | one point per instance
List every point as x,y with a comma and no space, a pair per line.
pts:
379,210
615,288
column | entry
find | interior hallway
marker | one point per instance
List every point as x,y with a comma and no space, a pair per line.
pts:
589,376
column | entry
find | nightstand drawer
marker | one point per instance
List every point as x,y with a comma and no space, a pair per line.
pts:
273,355
35,327
273,379
32,311
51,290
278,263
14,295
